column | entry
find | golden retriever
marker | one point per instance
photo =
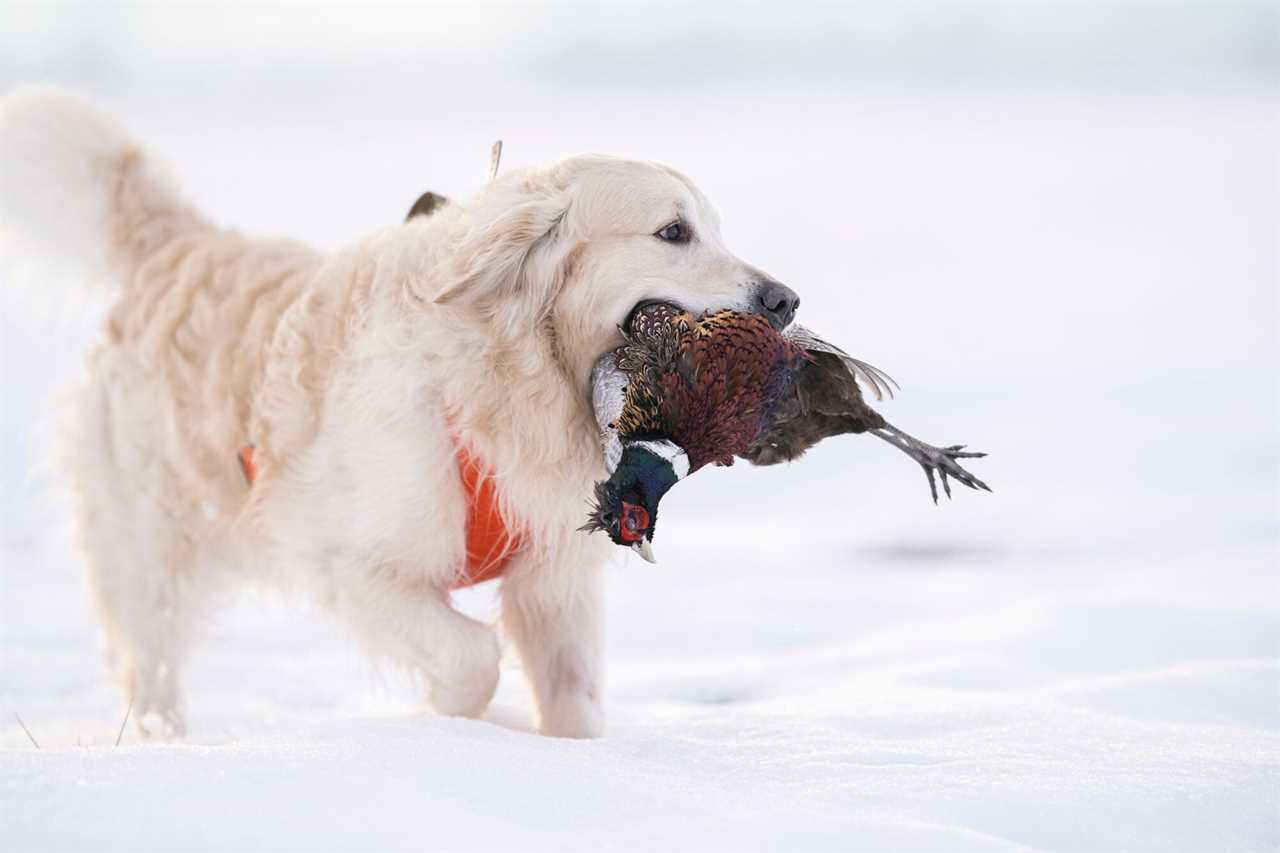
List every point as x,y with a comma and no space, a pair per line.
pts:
356,380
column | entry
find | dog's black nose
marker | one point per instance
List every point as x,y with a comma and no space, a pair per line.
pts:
777,302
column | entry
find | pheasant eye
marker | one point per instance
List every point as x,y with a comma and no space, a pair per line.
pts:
676,232
635,522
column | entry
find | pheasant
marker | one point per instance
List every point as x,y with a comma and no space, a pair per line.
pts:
682,393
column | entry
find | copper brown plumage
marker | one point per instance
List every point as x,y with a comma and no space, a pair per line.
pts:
709,385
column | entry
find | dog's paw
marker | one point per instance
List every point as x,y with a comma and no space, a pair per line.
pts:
161,724
571,706
466,689
573,716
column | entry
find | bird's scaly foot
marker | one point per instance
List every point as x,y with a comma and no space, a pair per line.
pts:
930,458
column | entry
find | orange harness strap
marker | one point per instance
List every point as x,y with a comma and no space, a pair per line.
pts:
490,542
245,455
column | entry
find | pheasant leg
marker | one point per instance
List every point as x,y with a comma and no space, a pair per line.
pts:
930,458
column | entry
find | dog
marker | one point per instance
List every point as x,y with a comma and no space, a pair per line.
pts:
343,424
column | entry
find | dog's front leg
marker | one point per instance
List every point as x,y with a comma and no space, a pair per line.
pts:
554,615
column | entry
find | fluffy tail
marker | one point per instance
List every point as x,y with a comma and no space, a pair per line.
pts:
75,188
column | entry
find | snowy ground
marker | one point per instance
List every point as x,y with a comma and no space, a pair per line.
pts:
1086,659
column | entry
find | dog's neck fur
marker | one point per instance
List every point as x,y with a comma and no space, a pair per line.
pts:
519,433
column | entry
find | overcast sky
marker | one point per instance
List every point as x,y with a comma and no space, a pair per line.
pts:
645,45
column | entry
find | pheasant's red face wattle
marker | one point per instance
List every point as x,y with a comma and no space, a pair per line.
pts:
634,523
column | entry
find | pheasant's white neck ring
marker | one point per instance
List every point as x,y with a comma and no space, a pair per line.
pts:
670,451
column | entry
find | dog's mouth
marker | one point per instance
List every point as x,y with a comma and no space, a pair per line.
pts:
640,307
777,304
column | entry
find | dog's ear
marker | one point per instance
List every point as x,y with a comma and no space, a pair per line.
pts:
427,204
508,264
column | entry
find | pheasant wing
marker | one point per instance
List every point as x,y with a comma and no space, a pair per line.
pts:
825,400
872,378
608,398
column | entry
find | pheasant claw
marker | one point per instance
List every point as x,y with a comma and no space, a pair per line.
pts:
933,486
930,458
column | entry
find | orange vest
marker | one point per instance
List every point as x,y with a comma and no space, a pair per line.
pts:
490,542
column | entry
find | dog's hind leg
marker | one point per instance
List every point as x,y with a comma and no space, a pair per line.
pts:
144,627
143,570
138,579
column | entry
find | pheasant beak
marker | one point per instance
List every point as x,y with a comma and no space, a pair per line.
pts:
645,549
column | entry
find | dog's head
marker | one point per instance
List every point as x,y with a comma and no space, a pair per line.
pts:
571,250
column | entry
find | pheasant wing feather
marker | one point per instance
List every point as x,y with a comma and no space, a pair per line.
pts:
608,398
872,378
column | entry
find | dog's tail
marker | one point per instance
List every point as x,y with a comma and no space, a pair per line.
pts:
75,188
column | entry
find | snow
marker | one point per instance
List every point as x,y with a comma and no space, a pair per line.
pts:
1082,284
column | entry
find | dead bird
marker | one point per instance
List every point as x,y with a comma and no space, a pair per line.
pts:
682,393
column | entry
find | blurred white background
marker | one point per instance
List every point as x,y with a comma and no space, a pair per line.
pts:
1054,223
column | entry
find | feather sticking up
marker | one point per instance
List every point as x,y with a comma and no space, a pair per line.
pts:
873,378
597,520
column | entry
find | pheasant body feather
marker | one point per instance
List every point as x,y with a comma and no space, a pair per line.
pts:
708,385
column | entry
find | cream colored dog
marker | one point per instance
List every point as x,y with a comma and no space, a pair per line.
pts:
353,375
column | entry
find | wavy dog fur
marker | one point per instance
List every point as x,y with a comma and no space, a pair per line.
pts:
348,373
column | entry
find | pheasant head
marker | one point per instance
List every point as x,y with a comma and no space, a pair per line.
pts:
626,504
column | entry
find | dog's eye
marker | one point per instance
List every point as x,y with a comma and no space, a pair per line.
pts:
676,232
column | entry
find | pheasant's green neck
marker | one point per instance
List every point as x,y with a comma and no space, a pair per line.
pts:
648,470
